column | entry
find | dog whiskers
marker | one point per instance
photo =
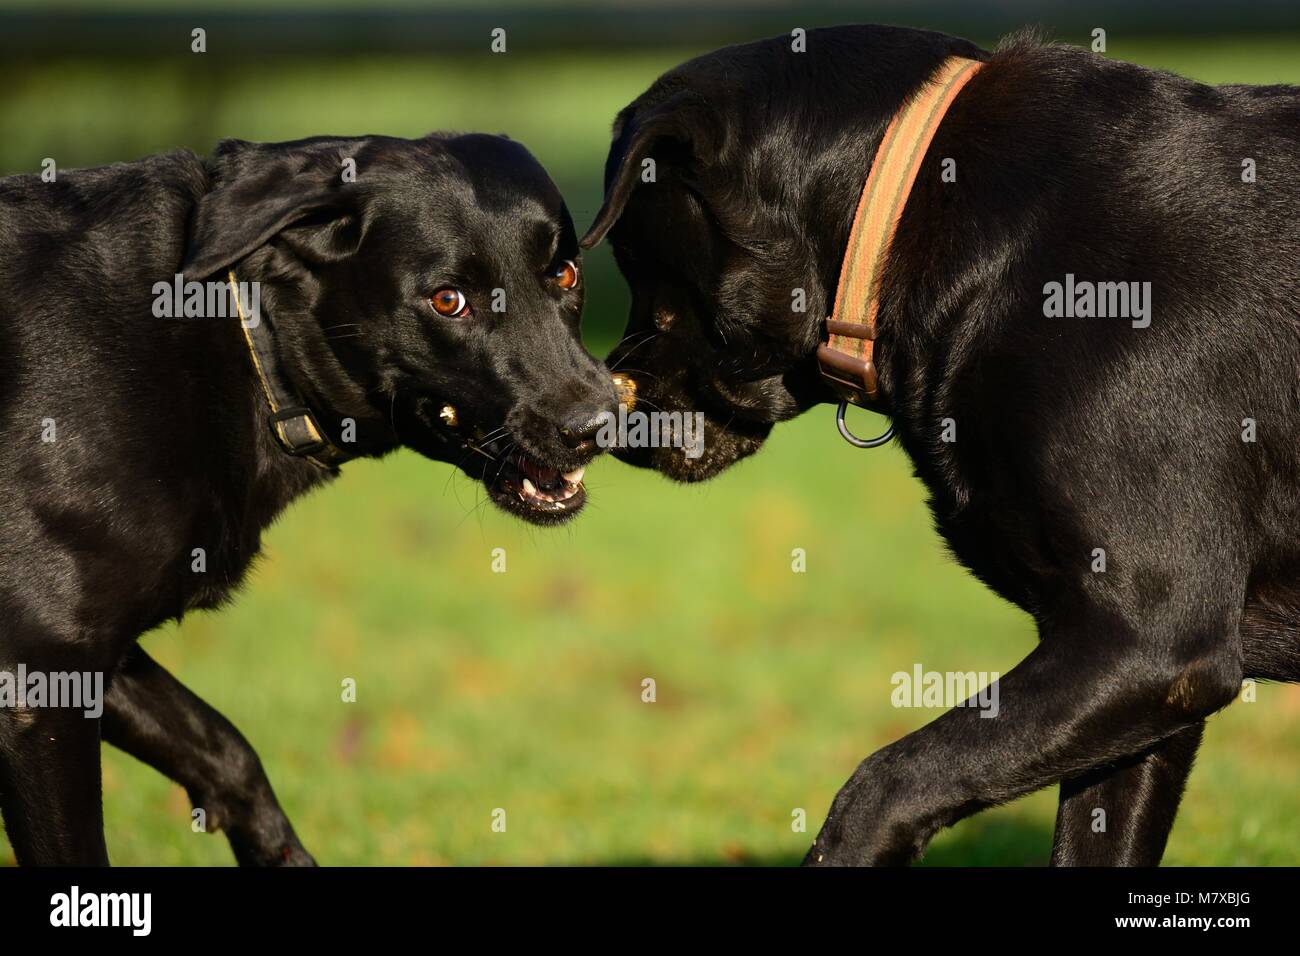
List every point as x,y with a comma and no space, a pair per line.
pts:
492,436
639,373
649,337
504,459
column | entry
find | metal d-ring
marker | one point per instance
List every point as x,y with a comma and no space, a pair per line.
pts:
853,439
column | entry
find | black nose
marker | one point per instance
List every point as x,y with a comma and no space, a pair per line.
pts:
580,428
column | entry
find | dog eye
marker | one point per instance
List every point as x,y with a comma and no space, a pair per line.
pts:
450,303
565,275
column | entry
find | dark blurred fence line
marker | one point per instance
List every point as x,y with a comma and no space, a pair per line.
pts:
546,27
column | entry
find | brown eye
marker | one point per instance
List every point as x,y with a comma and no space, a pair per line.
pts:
565,275
449,302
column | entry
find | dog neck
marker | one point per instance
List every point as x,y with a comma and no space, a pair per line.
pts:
292,423
846,360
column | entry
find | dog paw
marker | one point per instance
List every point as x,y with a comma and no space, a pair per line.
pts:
295,855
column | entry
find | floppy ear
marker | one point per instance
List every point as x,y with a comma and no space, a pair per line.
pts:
262,191
672,129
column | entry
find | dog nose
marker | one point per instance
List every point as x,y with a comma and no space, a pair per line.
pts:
580,428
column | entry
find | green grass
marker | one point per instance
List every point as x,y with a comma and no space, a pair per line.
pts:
522,690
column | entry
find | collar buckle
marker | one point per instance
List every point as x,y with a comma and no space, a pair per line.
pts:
296,431
850,372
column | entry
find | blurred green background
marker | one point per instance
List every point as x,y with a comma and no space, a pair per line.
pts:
522,690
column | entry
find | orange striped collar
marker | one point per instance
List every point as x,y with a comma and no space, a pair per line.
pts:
846,360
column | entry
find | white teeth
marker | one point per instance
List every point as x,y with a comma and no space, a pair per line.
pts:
575,476
530,489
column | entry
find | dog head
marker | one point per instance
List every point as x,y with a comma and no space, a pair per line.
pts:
429,291
730,190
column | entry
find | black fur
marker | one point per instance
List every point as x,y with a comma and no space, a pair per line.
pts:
1071,434
161,444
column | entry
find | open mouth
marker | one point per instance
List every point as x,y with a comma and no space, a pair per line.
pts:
517,482
536,492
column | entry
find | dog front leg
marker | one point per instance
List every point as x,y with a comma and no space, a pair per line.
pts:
1121,815
155,718
1084,697
50,785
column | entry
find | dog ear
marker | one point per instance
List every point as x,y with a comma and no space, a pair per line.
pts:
675,129
265,190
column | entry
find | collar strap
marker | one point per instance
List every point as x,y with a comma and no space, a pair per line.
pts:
846,360
292,423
